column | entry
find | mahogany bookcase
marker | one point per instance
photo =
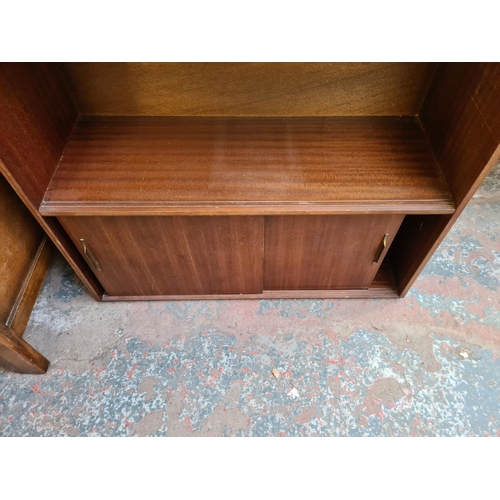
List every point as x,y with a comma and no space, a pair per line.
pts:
248,180
245,180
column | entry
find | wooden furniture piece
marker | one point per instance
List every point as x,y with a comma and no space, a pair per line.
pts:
25,254
251,180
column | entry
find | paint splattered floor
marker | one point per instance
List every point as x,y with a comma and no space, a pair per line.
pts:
427,365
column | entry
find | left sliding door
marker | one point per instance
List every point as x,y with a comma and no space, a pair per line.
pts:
171,255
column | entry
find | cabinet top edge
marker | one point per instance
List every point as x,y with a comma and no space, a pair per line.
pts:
237,208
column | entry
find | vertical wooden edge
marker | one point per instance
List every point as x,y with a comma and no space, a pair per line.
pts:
21,310
70,91
434,71
433,242
17,355
66,247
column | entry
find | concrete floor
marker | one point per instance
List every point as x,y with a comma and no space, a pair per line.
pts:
427,365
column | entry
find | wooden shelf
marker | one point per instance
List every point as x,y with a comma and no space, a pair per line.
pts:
202,166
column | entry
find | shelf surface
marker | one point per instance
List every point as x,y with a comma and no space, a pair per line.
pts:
193,165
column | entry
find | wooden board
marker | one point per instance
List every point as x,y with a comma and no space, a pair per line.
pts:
173,255
382,287
143,166
461,116
248,89
20,238
26,298
325,252
17,355
36,119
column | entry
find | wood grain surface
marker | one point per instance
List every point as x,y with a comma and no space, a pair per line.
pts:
26,298
324,251
461,116
248,89
382,287
142,166
36,119
20,237
173,255
17,355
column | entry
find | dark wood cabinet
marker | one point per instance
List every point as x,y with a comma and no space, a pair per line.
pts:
201,255
248,180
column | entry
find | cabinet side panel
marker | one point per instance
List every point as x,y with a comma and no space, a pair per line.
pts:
36,120
21,312
461,118
20,237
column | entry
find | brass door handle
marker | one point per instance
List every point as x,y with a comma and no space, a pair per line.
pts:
93,261
380,250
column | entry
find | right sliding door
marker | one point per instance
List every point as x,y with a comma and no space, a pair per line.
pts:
325,252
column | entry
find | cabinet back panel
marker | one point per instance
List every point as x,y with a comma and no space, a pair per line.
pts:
248,89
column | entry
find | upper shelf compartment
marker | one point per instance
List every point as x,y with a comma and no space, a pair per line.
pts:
246,165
